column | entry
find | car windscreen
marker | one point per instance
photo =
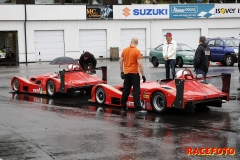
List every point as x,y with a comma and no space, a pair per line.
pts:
185,47
232,42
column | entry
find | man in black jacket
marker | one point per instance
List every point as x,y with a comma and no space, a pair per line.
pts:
201,59
87,60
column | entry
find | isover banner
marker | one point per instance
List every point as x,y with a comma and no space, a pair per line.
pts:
192,11
141,11
227,10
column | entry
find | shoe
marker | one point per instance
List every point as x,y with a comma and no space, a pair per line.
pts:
238,89
124,109
141,113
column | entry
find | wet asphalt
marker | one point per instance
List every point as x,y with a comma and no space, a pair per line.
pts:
71,128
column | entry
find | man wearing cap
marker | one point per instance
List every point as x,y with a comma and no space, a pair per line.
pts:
169,55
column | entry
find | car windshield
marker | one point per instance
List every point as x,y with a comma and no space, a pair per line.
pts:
185,47
232,42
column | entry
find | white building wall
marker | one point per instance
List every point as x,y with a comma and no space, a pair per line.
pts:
70,20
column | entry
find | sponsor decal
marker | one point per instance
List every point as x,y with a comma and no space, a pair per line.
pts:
145,96
226,10
100,12
130,103
142,12
37,90
192,11
182,9
126,12
147,105
137,12
210,151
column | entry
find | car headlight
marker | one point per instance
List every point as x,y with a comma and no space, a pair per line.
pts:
236,51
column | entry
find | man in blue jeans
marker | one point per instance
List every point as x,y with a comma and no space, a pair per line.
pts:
169,55
201,59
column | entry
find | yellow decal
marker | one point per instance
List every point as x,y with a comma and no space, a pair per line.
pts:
145,96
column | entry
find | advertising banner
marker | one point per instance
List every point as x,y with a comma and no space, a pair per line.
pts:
141,11
227,10
192,11
101,12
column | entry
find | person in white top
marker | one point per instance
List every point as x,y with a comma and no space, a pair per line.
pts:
169,55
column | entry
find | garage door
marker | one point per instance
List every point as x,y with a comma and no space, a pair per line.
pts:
48,45
224,32
186,36
128,34
94,41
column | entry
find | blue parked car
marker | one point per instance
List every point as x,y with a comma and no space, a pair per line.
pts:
224,50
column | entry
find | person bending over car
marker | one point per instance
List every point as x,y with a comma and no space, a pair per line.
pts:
87,61
201,59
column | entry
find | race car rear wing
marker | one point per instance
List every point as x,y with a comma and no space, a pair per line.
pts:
62,76
178,102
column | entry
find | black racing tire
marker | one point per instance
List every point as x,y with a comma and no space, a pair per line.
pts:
179,62
155,62
229,60
16,85
51,88
159,102
100,95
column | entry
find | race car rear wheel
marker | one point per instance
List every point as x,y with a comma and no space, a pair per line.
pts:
159,102
51,88
100,95
16,85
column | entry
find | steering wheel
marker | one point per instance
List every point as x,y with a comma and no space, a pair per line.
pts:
73,66
188,74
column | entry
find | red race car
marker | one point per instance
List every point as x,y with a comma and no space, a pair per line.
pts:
185,92
66,81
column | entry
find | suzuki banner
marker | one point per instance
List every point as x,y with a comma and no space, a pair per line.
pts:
192,11
141,12
227,10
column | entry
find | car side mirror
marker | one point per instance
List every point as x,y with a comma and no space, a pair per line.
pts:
220,45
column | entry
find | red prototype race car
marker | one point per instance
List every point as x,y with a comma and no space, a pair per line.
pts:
68,81
185,92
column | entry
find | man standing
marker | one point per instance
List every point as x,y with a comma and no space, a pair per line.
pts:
87,60
169,55
131,61
201,59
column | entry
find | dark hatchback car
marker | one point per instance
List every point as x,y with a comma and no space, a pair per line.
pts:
184,55
224,50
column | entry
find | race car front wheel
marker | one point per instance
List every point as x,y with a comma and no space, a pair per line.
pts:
16,85
100,95
51,88
159,102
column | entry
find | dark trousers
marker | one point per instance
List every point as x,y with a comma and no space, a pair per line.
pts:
170,64
129,81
